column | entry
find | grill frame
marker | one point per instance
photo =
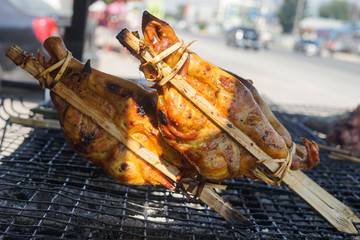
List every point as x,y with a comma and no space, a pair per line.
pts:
49,192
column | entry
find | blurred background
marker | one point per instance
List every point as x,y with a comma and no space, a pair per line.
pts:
297,52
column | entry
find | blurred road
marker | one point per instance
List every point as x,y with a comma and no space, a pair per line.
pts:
282,77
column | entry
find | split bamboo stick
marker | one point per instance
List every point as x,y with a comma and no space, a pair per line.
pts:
341,154
45,123
207,195
335,212
344,151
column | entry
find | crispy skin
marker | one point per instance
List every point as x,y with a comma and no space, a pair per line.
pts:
215,154
128,105
346,132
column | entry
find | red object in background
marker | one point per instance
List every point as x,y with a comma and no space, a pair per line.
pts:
116,8
44,27
115,15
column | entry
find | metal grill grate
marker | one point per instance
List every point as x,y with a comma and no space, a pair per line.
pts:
48,192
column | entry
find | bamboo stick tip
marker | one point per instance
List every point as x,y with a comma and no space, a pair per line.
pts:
13,52
224,208
129,41
345,225
234,217
18,55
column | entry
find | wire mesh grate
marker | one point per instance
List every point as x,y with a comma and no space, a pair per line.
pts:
49,192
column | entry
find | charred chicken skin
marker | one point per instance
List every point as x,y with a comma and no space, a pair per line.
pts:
346,132
127,104
216,155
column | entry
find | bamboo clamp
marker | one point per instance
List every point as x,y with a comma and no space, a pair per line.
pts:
335,212
33,66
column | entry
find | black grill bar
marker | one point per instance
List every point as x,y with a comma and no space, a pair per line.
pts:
49,192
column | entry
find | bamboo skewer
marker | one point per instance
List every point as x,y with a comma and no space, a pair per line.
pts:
46,123
335,212
207,195
326,197
343,151
341,154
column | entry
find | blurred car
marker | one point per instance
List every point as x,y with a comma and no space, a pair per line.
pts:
308,47
26,23
243,37
348,42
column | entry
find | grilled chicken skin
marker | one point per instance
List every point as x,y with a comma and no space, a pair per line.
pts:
127,104
216,155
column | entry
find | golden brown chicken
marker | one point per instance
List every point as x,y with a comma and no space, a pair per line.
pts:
124,105
127,104
216,155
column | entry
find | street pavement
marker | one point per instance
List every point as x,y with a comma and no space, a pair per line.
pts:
282,77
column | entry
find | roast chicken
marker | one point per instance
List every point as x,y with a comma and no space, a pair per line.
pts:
127,104
212,152
346,132
123,105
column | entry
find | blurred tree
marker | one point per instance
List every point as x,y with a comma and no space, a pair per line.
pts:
178,14
287,14
338,9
